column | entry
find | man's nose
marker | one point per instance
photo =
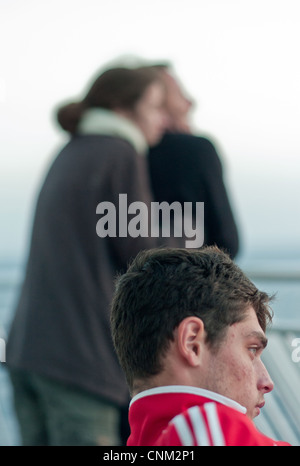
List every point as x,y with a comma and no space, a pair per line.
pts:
265,383
189,103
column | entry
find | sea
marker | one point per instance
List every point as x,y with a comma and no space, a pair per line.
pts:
277,275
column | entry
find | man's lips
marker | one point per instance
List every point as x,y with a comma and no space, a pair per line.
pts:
259,407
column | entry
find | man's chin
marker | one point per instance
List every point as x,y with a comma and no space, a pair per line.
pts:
256,411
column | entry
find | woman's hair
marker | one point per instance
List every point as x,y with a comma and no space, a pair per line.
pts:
116,88
162,287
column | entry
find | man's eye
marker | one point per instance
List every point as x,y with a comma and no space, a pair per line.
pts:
253,350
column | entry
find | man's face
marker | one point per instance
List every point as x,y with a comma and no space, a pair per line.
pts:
178,105
236,370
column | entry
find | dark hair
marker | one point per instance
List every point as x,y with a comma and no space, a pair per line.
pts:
162,287
114,88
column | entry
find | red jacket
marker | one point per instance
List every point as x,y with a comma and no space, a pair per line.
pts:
189,416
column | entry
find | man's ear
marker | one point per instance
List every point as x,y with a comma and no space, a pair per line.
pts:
190,338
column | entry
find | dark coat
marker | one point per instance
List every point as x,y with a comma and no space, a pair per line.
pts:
187,168
62,327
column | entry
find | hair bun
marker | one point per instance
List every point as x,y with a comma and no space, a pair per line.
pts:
68,116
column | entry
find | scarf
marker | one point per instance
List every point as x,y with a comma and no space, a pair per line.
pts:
109,123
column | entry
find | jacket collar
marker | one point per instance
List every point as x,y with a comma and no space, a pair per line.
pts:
192,391
109,123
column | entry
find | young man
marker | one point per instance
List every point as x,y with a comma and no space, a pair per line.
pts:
189,330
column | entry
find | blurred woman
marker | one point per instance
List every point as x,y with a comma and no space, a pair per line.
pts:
67,382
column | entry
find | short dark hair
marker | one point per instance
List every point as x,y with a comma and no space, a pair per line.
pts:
162,287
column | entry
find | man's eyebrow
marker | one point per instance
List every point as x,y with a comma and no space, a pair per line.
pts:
260,336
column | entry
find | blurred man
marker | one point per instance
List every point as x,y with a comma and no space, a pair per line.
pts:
186,168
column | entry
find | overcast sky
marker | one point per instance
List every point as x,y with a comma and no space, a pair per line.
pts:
239,59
